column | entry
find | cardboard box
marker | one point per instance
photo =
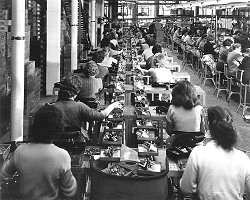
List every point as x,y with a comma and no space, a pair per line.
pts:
3,14
4,28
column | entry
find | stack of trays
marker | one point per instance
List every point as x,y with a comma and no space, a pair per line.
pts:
145,134
111,154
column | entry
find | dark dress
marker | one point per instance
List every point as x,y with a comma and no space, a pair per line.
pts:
245,65
208,48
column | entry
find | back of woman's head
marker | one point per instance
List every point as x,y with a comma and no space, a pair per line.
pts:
227,42
183,94
151,42
47,124
157,49
204,36
185,31
99,56
91,69
190,33
221,128
112,35
69,87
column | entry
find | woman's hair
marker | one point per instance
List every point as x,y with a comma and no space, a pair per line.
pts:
105,41
204,36
210,37
69,87
47,124
190,32
112,35
156,49
221,128
227,42
151,42
91,69
183,94
99,56
236,45
184,31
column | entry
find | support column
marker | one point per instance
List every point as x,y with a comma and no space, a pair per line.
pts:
157,6
102,15
216,25
17,69
93,29
53,44
74,29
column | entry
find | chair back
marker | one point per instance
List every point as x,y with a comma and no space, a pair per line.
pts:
184,139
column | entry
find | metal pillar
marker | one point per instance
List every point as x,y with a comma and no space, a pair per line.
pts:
93,29
17,69
102,15
74,32
157,2
53,44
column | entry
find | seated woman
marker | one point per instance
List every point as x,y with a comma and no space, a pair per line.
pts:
77,113
188,40
209,46
150,63
245,65
234,59
147,53
223,52
44,169
201,43
185,113
113,44
160,73
177,35
108,61
218,170
98,58
91,86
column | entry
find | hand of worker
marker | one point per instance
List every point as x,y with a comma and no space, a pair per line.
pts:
117,104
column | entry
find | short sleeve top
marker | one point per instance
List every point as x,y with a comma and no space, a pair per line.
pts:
185,120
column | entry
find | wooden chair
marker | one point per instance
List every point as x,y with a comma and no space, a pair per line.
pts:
184,139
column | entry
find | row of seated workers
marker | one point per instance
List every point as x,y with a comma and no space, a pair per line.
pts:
215,169
227,53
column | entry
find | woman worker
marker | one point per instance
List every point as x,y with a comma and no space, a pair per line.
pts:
77,113
185,113
44,169
218,170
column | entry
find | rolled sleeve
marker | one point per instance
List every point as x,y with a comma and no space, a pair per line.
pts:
68,184
89,114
